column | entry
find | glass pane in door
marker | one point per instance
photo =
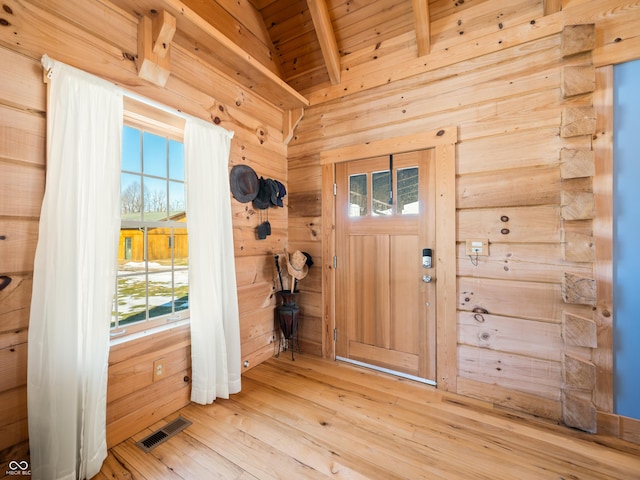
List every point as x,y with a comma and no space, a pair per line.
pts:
407,191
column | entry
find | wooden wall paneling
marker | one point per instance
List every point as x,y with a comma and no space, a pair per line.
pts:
146,407
534,224
366,77
543,300
520,373
131,402
13,419
23,189
475,82
22,134
616,23
236,106
19,245
42,32
13,366
532,262
533,338
22,90
510,398
15,303
516,187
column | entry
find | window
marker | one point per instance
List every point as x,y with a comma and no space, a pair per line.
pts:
153,255
380,202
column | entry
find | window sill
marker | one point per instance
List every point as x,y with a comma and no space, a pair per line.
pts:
125,338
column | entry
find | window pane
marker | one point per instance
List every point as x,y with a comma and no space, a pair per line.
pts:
132,299
381,193
181,269
176,200
160,292
176,160
131,150
407,191
154,151
358,195
155,199
153,260
130,197
181,294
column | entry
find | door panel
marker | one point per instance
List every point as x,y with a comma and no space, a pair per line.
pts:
385,313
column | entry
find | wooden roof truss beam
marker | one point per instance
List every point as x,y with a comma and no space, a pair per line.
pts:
326,37
422,23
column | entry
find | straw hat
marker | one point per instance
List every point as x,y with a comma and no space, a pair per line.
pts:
297,265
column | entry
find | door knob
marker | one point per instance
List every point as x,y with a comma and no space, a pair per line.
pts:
426,278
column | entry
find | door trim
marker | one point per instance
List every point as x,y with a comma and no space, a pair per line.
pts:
444,141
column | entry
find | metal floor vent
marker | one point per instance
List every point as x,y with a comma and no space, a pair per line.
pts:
162,435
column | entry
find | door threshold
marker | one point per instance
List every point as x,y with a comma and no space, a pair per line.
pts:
387,370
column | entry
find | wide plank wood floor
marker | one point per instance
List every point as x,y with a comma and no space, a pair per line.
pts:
316,419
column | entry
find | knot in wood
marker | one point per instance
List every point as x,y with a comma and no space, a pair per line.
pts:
504,218
505,231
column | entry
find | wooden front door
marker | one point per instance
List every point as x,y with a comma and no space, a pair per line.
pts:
385,306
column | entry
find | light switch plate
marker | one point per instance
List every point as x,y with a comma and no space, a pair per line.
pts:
477,247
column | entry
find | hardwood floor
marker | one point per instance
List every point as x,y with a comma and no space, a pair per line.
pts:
313,419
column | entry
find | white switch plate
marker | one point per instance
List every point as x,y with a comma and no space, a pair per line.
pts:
477,246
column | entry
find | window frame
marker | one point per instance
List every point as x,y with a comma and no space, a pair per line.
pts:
147,118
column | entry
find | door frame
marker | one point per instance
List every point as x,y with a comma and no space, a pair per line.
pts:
443,141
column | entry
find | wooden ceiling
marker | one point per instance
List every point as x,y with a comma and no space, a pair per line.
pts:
290,50
314,40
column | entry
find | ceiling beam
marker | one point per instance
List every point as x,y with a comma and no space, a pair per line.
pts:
423,26
326,37
552,6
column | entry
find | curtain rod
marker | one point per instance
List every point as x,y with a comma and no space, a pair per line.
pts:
47,64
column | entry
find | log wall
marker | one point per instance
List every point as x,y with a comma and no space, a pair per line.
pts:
72,32
520,89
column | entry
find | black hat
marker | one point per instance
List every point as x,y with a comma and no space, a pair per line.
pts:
280,194
265,191
244,183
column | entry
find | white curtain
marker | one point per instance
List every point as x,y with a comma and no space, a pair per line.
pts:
74,276
213,299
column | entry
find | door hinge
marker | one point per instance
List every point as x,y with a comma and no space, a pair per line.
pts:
335,189
335,334
335,262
